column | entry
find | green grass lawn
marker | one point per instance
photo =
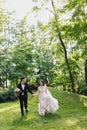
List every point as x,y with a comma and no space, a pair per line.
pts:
72,114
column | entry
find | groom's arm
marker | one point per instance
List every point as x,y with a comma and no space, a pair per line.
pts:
29,90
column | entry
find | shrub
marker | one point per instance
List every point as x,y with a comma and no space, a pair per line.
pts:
7,95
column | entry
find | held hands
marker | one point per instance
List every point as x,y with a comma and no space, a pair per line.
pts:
33,95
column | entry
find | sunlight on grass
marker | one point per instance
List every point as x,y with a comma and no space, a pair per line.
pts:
8,108
85,104
30,117
72,114
79,128
71,122
83,99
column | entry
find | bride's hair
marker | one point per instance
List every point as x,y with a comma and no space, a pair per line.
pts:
42,82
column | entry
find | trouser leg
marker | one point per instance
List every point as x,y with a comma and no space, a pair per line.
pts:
21,106
25,105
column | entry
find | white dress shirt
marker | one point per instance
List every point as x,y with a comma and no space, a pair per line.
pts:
23,86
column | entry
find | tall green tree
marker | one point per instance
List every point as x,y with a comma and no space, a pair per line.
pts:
4,20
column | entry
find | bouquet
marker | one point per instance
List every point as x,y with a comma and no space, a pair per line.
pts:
17,91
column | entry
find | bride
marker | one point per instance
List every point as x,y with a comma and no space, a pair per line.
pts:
47,103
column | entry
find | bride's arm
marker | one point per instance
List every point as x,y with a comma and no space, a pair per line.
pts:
37,93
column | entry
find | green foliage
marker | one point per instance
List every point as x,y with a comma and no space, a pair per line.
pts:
7,95
35,51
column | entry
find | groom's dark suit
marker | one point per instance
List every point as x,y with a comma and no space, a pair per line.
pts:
23,96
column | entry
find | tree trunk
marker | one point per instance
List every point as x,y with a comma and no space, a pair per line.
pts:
68,66
64,48
6,80
86,72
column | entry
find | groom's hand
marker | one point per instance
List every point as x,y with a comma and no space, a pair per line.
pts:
33,95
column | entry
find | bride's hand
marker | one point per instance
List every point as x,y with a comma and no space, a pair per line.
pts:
33,95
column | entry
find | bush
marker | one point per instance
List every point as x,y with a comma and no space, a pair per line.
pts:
7,95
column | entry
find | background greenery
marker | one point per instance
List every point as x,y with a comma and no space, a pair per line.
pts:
7,95
55,51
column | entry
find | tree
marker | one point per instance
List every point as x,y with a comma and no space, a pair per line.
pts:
63,45
4,20
86,72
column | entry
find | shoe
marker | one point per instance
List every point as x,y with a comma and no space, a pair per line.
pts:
26,111
22,114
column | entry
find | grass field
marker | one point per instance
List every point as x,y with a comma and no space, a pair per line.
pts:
72,114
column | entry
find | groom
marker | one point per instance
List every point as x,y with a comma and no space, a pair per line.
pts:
23,96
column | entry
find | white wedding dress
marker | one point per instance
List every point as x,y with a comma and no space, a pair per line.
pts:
47,103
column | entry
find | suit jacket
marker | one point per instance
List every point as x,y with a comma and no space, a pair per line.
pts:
25,91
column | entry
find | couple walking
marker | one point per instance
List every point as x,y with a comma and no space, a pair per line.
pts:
46,103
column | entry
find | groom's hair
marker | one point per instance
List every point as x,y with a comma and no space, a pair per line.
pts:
23,77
